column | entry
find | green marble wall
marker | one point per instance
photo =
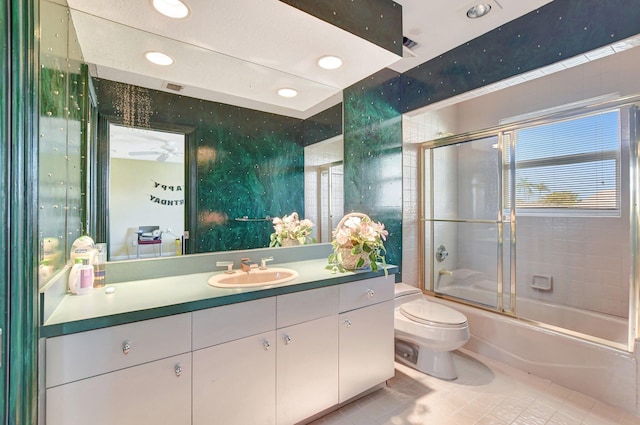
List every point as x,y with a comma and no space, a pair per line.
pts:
248,164
323,125
373,155
377,21
557,31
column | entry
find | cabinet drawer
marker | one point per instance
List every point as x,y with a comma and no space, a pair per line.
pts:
81,355
307,305
366,292
230,322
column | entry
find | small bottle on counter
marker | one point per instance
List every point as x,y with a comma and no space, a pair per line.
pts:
74,276
99,265
85,283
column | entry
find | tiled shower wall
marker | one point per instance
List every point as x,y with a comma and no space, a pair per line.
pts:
588,258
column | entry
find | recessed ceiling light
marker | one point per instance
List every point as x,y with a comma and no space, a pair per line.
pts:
158,58
287,92
478,11
330,62
171,8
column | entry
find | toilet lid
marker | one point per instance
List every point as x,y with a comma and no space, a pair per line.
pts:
429,312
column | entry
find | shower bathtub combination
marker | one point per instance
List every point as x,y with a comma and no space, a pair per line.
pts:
531,230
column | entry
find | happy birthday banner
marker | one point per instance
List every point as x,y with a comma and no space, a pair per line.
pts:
166,202
167,187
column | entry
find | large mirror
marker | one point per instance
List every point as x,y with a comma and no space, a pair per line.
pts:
243,142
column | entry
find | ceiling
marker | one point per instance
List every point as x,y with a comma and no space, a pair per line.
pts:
241,52
145,145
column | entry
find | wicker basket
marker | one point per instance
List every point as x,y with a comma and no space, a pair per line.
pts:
348,260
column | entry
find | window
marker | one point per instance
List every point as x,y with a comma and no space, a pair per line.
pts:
571,164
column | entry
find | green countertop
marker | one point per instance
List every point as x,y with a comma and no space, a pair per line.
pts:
163,296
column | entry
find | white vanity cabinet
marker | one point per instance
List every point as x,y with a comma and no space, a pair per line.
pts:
366,336
234,358
307,354
127,374
271,361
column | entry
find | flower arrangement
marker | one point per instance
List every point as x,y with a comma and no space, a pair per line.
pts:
290,230
358,243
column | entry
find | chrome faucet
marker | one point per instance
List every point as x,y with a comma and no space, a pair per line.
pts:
263,262
227,264
246,265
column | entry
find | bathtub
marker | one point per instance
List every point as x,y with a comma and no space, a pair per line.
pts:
603,326
602,372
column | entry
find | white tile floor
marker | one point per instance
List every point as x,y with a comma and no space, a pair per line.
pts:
485,393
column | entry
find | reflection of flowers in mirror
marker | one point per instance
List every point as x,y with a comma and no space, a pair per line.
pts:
291,230
206,155
213,218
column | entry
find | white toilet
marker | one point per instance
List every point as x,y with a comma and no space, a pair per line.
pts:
427,332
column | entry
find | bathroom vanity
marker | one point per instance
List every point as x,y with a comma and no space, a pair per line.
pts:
265,355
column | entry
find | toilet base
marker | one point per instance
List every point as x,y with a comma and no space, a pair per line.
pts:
438,364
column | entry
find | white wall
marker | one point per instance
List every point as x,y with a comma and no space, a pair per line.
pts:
132,186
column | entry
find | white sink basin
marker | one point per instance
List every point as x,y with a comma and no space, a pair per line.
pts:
255,277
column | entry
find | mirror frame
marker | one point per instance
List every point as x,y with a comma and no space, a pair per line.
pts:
101,195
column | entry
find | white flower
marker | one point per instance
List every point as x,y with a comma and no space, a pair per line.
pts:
363,238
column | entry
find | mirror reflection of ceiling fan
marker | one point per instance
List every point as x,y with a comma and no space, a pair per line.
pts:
162,153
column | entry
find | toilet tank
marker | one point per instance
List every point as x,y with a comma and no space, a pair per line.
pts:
405,293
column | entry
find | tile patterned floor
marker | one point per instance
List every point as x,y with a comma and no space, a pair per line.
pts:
485,393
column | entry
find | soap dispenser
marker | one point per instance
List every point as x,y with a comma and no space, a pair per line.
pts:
85,283
74,276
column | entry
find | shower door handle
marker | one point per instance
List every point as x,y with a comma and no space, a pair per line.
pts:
441,253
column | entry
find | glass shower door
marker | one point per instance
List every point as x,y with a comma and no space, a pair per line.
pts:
463,221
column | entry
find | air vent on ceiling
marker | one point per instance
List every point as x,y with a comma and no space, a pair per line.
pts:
408,43
174,87
407,46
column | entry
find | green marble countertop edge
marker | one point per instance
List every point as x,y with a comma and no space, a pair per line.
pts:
165,296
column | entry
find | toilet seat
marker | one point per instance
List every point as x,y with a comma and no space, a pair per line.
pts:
423,311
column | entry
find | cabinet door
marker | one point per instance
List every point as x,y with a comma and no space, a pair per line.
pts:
366,348
235,382
307,369
153,393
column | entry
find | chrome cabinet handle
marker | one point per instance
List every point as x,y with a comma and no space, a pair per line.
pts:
287,340
266,345
126,347
178,369
370,292
347,323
